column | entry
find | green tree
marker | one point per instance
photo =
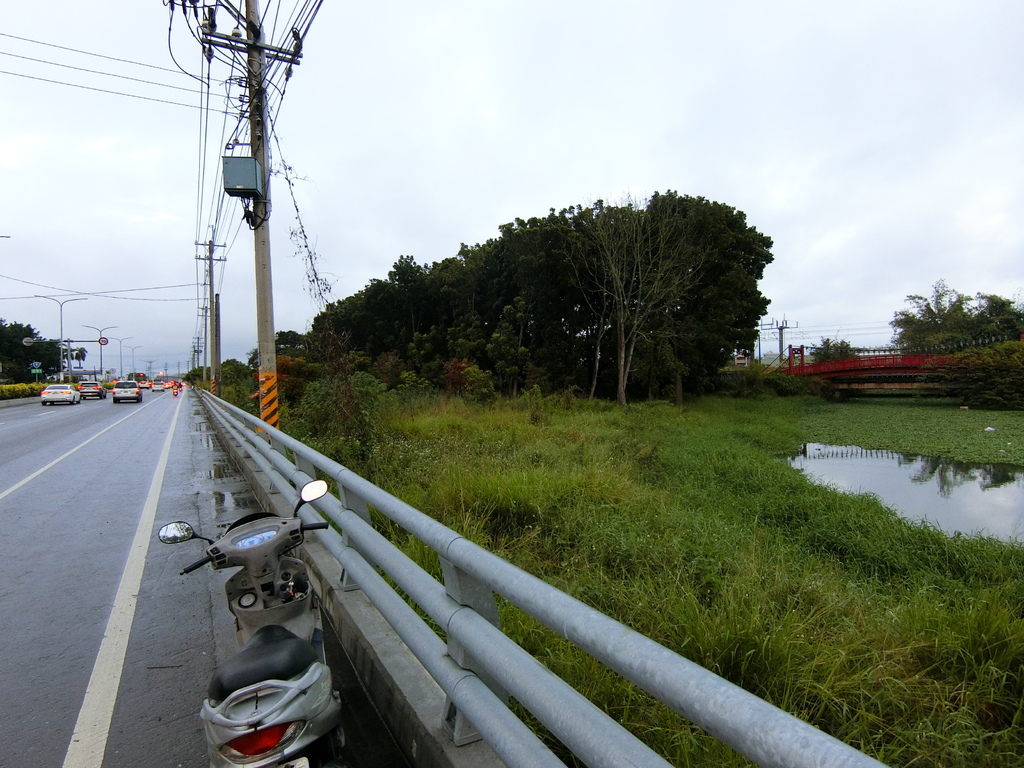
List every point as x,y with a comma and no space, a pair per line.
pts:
673,280
948,319
988,377
719,313
832,349
506,349
290,343
16,358
639,261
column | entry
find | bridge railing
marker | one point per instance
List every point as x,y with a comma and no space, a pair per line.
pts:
478,666
883,362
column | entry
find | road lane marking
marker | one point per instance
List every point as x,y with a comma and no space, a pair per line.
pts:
59,459
89,740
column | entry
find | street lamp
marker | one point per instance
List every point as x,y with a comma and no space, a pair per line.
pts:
137,346
120,354
63,350
100,332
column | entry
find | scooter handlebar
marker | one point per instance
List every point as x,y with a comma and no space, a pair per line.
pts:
197,564
323,525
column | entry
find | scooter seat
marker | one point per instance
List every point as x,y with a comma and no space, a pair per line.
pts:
272,653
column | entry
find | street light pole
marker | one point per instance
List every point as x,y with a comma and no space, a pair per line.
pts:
64,357
137,346
100,332
120,354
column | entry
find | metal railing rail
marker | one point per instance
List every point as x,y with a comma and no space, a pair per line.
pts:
479,666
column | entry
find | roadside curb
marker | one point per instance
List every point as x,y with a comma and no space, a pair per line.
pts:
19,401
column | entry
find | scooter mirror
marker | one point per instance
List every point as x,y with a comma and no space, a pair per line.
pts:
313,490
175,533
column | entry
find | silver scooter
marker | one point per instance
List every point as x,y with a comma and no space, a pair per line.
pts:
272,704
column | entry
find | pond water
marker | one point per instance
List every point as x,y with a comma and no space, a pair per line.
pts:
955,496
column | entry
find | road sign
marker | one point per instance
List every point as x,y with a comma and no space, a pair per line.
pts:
36,370
28,341
103,340
35,365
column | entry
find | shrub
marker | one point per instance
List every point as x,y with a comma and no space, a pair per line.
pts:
757,381
18,391
988,377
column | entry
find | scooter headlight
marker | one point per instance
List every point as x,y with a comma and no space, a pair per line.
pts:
255,745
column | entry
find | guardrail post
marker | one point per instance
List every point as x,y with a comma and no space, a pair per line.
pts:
304,465
476,596
358,505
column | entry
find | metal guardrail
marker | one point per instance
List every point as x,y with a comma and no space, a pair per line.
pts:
478,667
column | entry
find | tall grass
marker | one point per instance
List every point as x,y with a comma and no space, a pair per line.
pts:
687,526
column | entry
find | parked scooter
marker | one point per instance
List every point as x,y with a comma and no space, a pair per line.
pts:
272,704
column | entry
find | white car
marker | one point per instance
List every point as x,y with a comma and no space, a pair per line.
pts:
60,393
126,390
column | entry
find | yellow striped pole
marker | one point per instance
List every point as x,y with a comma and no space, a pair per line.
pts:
268,398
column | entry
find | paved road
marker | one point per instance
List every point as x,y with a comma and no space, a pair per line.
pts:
106,649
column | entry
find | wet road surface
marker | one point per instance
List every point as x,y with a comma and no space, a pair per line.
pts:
74,484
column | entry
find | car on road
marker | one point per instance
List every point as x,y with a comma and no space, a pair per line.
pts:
92,389
158,386
126,390
60,393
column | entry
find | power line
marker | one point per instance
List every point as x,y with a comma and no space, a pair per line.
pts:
87,53
102,90
99,294
96,72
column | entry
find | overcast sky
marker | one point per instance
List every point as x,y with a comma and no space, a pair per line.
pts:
879,144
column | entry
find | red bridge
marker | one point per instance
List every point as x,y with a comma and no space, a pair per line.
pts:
871,370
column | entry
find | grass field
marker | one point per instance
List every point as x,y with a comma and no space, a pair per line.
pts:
688,525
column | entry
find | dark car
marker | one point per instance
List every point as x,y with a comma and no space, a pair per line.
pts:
92,389
126,390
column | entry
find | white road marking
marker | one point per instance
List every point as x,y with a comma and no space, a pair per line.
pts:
59,459
89,740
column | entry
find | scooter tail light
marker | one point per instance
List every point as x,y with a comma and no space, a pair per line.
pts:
254,745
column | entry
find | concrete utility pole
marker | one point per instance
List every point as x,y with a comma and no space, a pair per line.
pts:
211,327
256,52
261,215
215,345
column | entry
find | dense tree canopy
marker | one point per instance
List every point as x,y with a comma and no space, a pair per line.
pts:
988,377
948,319
16,358
665,289
832,349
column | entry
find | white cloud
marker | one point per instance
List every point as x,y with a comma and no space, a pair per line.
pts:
877,144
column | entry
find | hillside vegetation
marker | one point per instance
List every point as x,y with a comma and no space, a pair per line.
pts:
688,525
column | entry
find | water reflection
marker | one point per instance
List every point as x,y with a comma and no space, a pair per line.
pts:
954,495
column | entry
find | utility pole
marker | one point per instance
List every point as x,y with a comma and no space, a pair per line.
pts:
215,345
780,327
261,215
211,326
256,51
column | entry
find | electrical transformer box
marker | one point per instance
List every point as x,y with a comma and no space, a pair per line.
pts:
243,177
